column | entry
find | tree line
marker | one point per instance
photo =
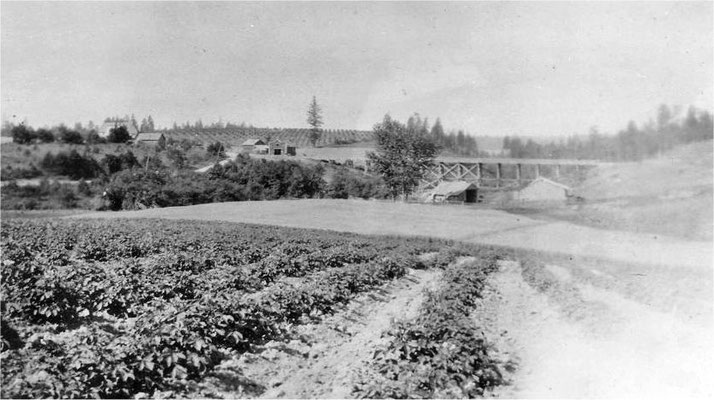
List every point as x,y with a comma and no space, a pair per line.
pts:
630,144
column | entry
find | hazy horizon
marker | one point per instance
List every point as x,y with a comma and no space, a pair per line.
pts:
489,68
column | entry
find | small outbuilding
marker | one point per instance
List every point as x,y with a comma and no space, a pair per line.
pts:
543,190
252,145
454,192
278,148
151,139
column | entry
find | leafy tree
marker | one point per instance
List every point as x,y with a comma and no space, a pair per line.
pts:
93,137
70,136
119,134
45,136
72,165
437,131
314,119
176,156
216,150
22,134
402,155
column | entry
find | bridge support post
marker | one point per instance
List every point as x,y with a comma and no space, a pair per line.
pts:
518,173
498,175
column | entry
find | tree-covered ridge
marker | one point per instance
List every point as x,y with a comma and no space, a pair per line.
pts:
630,144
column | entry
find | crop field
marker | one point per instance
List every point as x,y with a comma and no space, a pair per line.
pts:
144,308
300,137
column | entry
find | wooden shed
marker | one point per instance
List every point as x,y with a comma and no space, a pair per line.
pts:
278,148
151,138
454,192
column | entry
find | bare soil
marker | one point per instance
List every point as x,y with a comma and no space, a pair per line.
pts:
609,347
324,361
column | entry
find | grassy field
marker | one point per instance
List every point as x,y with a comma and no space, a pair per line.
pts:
670,195
474,225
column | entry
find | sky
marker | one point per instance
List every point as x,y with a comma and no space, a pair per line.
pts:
489,68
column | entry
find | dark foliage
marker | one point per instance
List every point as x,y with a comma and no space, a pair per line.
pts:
71,164
402,155
346,184
70,136
119,134
243,179
630,144
22,134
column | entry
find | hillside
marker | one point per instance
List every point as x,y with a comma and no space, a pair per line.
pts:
298,137
669,195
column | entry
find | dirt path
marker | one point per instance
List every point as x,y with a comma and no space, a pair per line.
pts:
635,352
322,363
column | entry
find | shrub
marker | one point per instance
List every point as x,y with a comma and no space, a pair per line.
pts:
118,134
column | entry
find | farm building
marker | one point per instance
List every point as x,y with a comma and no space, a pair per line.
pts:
456,192
278,148
151,138
107,126
252,145
543,190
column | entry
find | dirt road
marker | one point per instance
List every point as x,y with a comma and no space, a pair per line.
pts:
623,315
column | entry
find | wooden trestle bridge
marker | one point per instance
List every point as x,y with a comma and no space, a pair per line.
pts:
500,172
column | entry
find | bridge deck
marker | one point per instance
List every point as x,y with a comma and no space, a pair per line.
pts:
522,161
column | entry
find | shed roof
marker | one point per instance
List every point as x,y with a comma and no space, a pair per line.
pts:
448,189
548,181
253,142
149,136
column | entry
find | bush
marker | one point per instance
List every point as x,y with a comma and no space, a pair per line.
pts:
9,173
22,134
346,184
45,136
71,137
216,150
72,165
118,134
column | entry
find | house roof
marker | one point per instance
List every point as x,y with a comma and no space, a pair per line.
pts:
280,143
448,189
253,142
149,137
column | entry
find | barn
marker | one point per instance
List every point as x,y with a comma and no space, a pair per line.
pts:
278,148
454,192
151,138
543,190
252,145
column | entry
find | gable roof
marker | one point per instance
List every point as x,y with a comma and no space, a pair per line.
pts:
455,188
149,136
548,181
253,142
